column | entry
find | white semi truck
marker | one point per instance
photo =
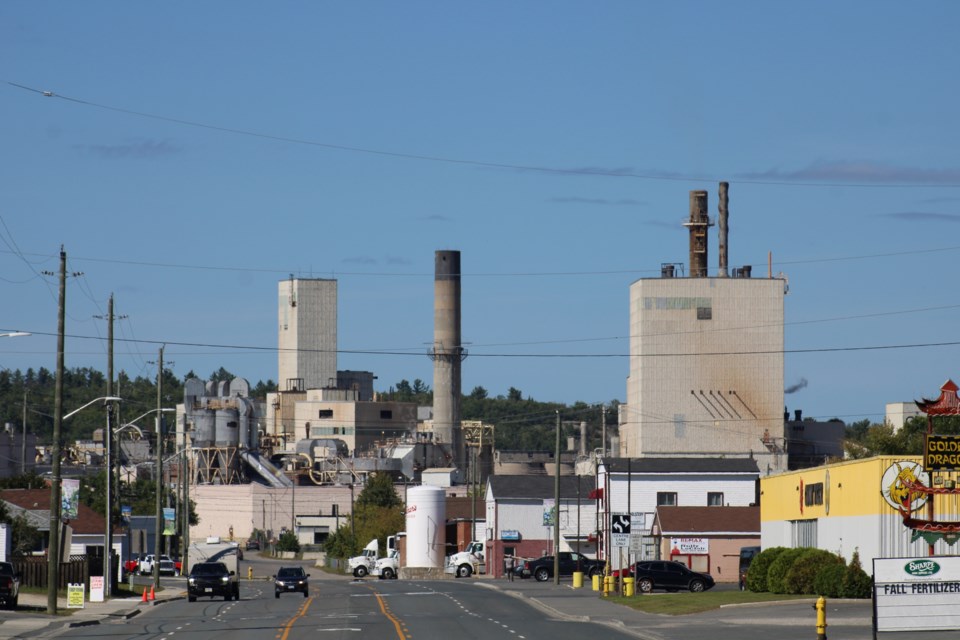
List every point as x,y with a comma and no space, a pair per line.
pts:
364,563
467,562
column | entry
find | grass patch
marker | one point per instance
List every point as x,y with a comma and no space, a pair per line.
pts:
678,604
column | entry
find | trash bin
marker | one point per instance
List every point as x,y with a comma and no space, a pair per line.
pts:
628,586
577,579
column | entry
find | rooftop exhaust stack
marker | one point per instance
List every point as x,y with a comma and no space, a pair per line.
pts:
698,224
723,229
447,353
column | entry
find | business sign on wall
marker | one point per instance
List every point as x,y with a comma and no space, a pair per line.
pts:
941,452
689,546
917,594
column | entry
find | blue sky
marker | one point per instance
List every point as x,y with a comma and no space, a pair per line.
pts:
194,154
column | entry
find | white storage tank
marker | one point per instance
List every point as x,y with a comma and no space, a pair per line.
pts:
426,520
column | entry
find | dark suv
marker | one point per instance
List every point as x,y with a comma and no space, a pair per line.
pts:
672,576
291,579
9,585
212,579
542,568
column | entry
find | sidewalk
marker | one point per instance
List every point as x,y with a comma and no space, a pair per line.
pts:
32,620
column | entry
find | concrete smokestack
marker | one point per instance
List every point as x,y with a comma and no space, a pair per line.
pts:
698,224
447,353
724,214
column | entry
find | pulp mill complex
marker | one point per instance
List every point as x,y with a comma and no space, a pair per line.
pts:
703,423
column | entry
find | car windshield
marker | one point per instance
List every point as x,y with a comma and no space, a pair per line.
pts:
6,569
290,573
209,569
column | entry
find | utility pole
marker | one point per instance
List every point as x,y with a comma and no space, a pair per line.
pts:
53,548
23,442
556,509
108,442
158,529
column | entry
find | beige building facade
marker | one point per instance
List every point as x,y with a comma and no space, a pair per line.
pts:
706,370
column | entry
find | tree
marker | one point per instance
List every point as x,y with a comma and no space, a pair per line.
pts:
379,492
478,393
514,395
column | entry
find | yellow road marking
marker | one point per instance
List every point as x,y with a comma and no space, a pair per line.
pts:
396,623
302,612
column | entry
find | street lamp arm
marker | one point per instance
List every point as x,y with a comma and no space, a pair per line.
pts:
164,410
15,334
105,399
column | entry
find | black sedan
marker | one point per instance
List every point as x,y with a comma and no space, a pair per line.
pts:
291,579
671,576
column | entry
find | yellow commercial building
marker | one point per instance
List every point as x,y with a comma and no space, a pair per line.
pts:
851,505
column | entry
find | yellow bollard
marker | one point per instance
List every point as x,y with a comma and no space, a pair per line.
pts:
628,586
577,579
596,581
249,573
821,608
607,585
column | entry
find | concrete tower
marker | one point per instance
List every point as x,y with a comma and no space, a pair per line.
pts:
307,334
706,360
447,352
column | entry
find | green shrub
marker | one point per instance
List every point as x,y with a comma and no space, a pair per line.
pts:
829,582
757,573
856,582
802,576
288,542
777,573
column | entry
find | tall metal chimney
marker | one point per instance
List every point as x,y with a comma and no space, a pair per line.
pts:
723,229
698,224
447,354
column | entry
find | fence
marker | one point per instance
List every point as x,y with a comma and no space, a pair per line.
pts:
33,571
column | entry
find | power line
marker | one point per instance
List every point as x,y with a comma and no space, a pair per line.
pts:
372,352
463,161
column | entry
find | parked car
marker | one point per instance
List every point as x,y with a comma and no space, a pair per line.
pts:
569,561
212,579
9,585
291,579
669,575
253,544
167,566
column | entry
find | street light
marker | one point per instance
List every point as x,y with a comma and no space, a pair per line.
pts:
53,549
15,334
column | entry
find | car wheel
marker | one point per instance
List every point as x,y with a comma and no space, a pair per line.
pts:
191,598
645,585
696,586
388,574
541,574
305,594
464,571
276,593
592,573
360,572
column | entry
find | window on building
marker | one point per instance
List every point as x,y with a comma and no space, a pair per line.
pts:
704,313
326,413
813,494
803,533
714,499
666,499
386,414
